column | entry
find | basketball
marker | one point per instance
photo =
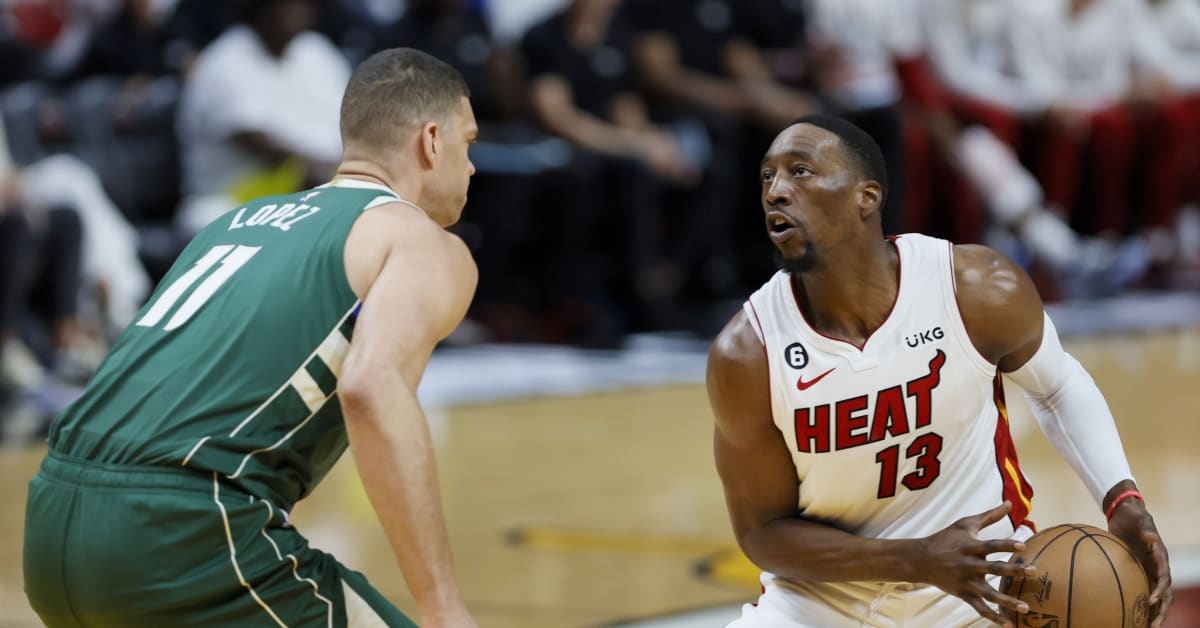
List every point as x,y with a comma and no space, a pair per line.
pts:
1086,578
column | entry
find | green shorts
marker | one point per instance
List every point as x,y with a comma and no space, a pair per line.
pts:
113,545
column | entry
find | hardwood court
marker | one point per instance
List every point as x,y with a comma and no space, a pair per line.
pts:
584,511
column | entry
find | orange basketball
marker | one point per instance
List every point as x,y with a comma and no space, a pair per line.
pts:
1086,578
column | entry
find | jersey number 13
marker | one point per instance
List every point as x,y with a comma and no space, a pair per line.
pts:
925,448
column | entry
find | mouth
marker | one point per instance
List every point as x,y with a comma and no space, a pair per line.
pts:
780,226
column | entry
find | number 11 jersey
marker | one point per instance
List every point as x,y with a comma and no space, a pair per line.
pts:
232,365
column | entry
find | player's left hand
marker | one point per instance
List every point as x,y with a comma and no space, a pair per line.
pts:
1134,525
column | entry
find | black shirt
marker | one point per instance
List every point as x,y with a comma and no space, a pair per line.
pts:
596,75
772,24
701,28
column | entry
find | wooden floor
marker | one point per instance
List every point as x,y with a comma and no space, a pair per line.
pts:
584,511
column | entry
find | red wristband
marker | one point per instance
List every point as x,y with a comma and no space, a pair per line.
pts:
1117,502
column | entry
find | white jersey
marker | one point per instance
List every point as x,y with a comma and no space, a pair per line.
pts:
903,436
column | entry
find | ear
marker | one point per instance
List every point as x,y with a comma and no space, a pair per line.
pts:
870,198
429,142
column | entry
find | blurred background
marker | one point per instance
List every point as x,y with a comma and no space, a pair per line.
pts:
615,219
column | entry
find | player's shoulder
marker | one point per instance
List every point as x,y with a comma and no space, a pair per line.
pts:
736,344
398,233
999,303
986,277
407,229
391,218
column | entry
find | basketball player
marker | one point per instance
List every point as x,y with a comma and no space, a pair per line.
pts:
861,434
288,327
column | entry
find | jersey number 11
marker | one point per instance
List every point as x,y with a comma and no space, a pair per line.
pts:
231,258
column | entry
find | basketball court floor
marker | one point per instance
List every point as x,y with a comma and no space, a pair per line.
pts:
580,491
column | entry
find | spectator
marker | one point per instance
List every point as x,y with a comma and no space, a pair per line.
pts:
779,29
1076,59
969,48
1169,47
691,53
193,25
583,89
40,274
972,49
108,246
21,42
130,43
693,57
259,112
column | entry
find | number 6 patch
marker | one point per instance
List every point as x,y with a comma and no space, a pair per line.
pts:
796,355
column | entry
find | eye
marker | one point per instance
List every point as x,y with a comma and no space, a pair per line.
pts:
766,175
800,171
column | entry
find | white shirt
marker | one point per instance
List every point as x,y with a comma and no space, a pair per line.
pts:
970,47
868,35
1085,61
236,86
1169,41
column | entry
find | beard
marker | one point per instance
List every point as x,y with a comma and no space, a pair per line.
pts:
806,262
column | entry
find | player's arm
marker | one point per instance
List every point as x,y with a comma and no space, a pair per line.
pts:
761,491
1004,316
415,281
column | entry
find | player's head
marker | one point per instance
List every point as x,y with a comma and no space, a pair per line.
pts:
823,183
406,109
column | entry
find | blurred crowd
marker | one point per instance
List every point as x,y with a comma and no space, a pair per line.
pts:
617,186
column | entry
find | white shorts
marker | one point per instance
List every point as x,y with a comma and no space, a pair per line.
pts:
785,604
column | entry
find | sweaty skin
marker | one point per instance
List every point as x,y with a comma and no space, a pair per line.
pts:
847,291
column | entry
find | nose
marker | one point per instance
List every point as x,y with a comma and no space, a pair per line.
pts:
775,192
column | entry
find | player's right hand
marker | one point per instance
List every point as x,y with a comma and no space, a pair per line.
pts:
955,561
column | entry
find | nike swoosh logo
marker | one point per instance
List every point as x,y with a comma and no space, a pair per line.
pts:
803,385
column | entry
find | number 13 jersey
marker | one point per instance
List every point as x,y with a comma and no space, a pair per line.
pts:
903,436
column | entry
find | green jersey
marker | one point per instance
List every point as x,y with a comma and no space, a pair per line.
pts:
232,365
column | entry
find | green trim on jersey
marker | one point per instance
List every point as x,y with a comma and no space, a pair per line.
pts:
232,365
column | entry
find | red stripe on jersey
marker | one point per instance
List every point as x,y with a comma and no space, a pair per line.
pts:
1016,488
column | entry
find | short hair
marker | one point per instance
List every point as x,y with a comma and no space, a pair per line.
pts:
398,88
862,149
